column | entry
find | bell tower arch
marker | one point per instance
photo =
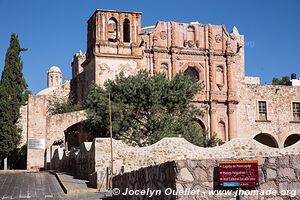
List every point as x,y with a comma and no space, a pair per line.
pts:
114,32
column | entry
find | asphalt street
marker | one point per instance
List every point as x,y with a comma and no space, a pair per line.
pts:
37,186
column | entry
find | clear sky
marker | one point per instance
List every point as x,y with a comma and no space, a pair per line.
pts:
54,30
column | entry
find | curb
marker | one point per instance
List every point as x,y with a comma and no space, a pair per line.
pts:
69,190
64,188
17,171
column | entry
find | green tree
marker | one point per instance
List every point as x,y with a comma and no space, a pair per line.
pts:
146,108
285,80
59,105
13,88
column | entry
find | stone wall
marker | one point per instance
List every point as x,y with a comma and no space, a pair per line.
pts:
23,124
57,124
280,123
98,156
168,149
78,162
36,123
159,177
275,173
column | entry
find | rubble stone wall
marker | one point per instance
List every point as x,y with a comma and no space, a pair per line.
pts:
280,123
92,159
275,173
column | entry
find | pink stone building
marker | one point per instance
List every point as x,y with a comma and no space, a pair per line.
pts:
237,106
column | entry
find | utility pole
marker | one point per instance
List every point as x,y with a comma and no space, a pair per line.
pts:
111,141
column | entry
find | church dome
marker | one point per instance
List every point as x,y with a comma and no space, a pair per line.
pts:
54,69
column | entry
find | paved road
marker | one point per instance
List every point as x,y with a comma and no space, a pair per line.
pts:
37,186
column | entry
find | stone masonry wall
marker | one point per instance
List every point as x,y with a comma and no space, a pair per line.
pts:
168,149
275,173
36,123
80,163
280,123
23,124
92,163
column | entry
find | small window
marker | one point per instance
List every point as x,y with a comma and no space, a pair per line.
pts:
262,109
112,30
193,73
126,30
296,111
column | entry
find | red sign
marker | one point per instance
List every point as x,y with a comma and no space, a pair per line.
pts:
239,173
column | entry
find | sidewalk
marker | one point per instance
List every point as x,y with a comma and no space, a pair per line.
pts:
72,185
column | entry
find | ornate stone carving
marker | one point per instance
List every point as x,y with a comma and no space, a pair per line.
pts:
189,43
231,111
164,69
163,35
213,111
218,38
220,86
198,44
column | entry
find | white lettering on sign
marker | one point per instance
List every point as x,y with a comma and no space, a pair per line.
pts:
36,143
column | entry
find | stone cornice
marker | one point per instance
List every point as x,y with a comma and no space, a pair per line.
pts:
184,51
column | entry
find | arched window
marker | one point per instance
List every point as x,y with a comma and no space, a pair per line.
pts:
112,31
190,34
55,80
266,139
126,30
221,131
199,125
291,139
193,73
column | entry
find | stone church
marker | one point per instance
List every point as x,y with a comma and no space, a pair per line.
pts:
236,105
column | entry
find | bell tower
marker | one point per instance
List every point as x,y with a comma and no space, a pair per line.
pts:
112,32
54,78
113,46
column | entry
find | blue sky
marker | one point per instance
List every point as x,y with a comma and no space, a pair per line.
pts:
54,30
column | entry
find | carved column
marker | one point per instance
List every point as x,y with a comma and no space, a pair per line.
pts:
211,74
151,63
232,121
213,119
230,79
155,62
173,34
174,67
120,29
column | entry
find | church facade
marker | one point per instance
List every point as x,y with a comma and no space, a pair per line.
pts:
235,105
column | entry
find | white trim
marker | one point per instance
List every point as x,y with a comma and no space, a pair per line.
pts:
292,111
257,108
